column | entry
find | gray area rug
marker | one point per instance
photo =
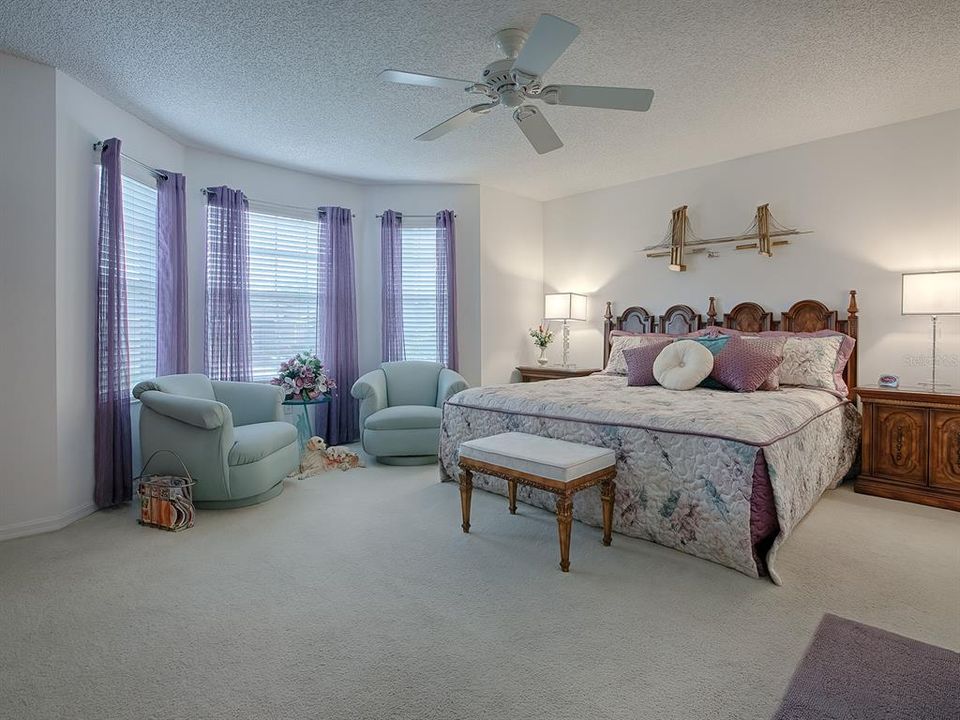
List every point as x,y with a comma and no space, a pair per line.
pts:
853,671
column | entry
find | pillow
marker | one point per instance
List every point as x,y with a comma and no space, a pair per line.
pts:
714,331
628,333
714,344
775,346
682,365
744,365
639,361
620,342
796,354
811,362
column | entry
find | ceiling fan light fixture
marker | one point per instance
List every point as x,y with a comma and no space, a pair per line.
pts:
516,78
510,40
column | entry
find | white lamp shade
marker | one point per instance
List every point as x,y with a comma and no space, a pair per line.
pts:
564,306
931,293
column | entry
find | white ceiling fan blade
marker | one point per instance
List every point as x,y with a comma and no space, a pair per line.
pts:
534,125
548,39
612,98
457,121
411,78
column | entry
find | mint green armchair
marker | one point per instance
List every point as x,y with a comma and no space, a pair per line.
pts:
230,435
401,404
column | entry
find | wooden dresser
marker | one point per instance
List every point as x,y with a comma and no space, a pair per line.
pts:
911,445
535,373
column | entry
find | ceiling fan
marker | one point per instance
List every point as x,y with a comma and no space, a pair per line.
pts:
516,79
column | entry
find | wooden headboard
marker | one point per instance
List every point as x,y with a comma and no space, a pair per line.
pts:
803,316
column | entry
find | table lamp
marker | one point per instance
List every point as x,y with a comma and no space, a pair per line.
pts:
565,307
933,294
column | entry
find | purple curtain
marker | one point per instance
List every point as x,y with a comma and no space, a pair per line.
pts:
172,320
113,466
391,286
339,420
447,290
227,330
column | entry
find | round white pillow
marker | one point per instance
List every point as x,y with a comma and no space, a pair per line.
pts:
682,365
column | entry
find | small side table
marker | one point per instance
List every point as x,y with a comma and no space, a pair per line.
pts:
911,445
303,425
535,373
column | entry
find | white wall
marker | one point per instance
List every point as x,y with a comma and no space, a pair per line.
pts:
82,118
29,499
511,282
880,202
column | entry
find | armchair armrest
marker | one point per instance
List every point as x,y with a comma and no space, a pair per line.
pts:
250,402
449,384
204,414
371,391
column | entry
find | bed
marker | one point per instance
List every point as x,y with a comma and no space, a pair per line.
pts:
720,475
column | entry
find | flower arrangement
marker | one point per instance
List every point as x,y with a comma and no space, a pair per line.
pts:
542,336
302,377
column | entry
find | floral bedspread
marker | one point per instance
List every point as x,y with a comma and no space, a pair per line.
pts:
685,460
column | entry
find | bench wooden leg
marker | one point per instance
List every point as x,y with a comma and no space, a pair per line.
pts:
512,494
466,491
608,489
564,522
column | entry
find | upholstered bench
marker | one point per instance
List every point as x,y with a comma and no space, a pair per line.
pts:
556,466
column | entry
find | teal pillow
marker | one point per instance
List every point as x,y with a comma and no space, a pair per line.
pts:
714,345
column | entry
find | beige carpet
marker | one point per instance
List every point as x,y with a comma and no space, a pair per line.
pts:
355,595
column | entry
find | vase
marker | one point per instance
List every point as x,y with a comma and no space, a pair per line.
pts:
542,360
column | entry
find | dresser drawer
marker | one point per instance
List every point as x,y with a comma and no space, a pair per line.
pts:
945,449
900,452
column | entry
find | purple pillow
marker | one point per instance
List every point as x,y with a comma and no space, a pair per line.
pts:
744,365
640,363
775,346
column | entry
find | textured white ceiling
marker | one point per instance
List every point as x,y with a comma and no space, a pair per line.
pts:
294,83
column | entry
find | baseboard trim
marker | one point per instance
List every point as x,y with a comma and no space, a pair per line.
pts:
47,524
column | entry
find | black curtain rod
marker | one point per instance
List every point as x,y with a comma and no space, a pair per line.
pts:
152,170
280,205
403,215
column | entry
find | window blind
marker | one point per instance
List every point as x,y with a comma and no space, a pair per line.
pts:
283,289
140,250
419,265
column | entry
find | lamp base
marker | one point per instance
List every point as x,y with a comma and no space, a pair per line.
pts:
565,361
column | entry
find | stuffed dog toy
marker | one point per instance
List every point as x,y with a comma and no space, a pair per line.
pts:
317,458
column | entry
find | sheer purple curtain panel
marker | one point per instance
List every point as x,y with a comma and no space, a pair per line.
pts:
113,465
227,329
391,286
447,290
338,421
172,322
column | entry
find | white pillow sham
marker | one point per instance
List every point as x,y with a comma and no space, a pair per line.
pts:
810,362
616,365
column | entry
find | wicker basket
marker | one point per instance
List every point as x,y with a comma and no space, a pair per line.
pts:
166,501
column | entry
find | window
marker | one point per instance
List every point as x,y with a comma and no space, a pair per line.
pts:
140,246
419,267
283,289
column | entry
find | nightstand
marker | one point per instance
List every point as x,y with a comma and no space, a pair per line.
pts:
911,445
535,373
